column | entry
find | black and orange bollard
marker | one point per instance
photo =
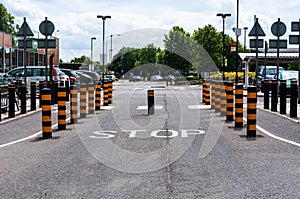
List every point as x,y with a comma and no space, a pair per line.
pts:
239,106
11,100
293,99
46,113
150,94
105,93
266,94
110,91
251,111
55,90
98,97
282,89
207,93
217,97
23,97
32,96
91,99
274,99
83,106
229,101
41,86
213,94
62,108
74,104
222,99
67,85
203,91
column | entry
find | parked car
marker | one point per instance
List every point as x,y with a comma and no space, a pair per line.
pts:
288,75
265,74
156,78
135,78
71,73
95,76
84,78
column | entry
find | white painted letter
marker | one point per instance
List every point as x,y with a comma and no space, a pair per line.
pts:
184,133
132,133
103,134
155,134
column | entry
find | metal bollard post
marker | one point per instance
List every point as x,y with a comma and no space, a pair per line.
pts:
46,113
282,97
110,91
251,111
150,94
266,94
55,90
293,100
67,85
62,108
217,97
41,86
74,104
239,105
91,99
12,100
105,93
213,94
33,96
23,98
230,101
222,99
83,111
274,96
207,94
98,97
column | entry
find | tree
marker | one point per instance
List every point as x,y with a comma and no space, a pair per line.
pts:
6,20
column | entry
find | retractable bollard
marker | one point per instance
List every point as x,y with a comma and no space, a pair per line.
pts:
11,100
83,106
222,99
207,93
67,85
62,108
91,99
105,93
55,90
203,91
110,91
293,99
98,97
74,104
41,86
266,94
150,94
230,101
46,113
251,111
239,105
282,89
274,98
32,96
23,98
217,97
213,94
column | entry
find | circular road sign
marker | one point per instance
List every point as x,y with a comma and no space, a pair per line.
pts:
278,28
46,31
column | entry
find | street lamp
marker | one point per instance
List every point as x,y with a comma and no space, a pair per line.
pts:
103,39
91,65
245,28
223,50
110,51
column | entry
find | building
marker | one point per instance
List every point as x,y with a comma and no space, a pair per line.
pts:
11,56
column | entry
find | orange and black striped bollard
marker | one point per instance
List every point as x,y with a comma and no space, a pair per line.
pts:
74,104
230,101
110,91
62,108
98,97
239,106
46,113
213,94
91,99
251,111
83,106
222,99
203,91
105,93
207,93
217,97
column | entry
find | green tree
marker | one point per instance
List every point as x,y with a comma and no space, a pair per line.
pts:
6,20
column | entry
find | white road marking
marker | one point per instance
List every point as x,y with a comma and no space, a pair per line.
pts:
107,107
146,107
201,107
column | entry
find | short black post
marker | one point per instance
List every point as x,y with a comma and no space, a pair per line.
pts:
266,94
62,108
32,96
41,86
91,98
23,98
251,111
229,101
67,85
239,101
98,97
274,98
282,89
11,100
293,99
150,102
83,103
55,90
74,104
46,112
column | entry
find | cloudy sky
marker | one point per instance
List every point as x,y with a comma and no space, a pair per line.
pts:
76,20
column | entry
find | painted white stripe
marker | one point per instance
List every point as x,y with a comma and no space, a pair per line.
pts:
107,107
201,107
146,107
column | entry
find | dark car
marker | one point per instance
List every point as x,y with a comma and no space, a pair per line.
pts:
265,73
95,76
84,78
71,73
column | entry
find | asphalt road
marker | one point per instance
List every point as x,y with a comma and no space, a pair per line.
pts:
184,150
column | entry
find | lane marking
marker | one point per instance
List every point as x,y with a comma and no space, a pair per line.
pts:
107,107
159,107
201,107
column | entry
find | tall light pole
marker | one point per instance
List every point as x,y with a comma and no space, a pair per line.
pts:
237,43
103,39
110,51
245,29
91,67
223,50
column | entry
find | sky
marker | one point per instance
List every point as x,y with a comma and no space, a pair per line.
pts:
141,22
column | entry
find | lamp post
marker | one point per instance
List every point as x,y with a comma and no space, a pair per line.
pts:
237,44
103,39
91,67
110,51
245,29
223,50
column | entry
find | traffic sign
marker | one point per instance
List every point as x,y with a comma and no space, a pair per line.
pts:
260,43
257,30
25,30
273,43
278,28
296,26
51,43
46,27
294,39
